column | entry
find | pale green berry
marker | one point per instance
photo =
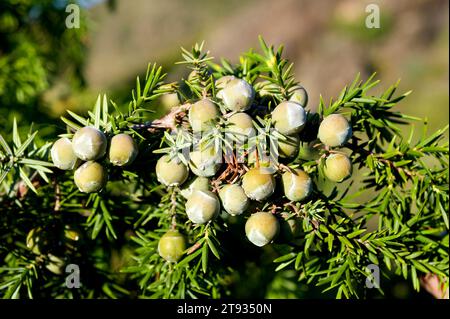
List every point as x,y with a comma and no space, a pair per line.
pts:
205,162
240,126
223,81
89,143
122,150
170,100
55,264
289,118
63,155
199,183
337,167
202,206
237,95
261,228
300,96
258,183
289,147
202,115
233,199
297,184
90,177
171,246
171,171
334,130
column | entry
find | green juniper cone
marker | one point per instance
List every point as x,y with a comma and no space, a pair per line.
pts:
188,172
289,147
237,95
171,171
122,150
171,246
63,155
300,96
89,143
205,162
334,130
337,167
90,177
261,228
240,126
202,206
233,198
223,81
202,115
198,183
297,185
289,117
258,183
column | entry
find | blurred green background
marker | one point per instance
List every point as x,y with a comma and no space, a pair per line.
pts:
46,68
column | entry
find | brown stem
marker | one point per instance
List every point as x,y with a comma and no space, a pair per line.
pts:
194,247
168,121
22,188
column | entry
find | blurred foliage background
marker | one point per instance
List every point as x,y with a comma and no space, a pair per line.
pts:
46,68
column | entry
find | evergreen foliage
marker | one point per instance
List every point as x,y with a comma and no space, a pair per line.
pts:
113,235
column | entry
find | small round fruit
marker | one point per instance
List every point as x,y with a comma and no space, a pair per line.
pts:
289,117
199,183
202,115
300,96
261,228
170,100
234,200
202,206
258,183
62,154
123,150
297,184
237,95
171,246
337,167
171,172
223,81
90,177
241,126
289,147
205,162
334,130
89,143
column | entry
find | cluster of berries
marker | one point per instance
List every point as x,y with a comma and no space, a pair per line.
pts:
257,183
90,145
